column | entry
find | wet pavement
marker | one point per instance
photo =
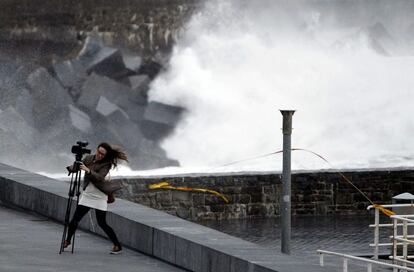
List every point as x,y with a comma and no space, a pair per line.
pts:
30,242
345,234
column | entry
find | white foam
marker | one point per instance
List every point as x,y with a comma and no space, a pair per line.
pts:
237,66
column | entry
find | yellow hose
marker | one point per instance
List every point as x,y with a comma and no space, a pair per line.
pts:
166,185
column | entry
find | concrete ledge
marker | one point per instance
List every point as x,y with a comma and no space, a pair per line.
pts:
150,231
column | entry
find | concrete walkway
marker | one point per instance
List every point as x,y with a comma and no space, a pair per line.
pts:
31,243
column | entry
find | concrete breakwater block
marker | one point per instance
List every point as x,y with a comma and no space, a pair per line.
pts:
100,95
134,112
106,107
106,96
143,153
90,48
128,133
139,89
80,120
96,86
48,98
162,113
132,62
159,120
70,73
151,69
108,62
105,61
73,125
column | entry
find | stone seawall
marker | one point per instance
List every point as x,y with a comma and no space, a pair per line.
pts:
258,196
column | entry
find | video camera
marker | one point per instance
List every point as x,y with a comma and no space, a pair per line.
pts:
80,149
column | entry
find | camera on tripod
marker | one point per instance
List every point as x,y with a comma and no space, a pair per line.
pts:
80,149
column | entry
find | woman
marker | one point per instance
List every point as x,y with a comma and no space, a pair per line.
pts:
96,167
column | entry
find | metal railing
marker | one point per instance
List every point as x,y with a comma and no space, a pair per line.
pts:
369,262
400,262
401,239
377,226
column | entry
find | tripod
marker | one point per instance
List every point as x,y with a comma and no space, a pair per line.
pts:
73,190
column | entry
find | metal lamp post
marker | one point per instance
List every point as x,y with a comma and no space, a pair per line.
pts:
286,180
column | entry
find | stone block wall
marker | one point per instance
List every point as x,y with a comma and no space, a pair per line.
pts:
258,196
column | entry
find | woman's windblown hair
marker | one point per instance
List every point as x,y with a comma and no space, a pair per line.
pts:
113,153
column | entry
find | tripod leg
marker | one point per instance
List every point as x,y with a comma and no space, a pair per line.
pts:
77,184
65,228
72,188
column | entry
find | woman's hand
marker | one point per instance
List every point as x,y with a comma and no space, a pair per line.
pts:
84,168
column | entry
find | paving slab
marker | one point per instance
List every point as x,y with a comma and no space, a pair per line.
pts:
29,242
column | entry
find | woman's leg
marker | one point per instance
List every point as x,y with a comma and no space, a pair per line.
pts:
101,218
77,217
